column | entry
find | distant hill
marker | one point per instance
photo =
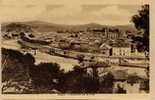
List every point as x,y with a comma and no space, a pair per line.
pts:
42,27
15,27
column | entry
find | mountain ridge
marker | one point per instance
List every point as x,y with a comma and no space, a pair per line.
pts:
47,26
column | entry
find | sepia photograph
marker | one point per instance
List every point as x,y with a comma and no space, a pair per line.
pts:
75,49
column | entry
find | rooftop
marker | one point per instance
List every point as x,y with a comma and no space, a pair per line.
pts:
120,44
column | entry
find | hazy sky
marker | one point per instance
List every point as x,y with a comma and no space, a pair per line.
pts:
73,13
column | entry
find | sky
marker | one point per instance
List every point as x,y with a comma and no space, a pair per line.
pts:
69,13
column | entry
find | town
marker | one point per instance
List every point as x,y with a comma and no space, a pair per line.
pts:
107,54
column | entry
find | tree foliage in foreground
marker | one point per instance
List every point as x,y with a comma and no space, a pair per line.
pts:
141,22
20,73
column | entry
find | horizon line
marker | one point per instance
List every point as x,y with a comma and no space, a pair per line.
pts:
66,23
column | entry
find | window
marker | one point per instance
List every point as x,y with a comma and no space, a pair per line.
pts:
120,52
124,53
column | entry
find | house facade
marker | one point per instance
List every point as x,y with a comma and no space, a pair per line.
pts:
120,51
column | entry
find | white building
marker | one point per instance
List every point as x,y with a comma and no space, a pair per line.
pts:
116,49
121,51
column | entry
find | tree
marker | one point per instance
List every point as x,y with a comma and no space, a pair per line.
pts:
78,81
95,66
45,76
15,72
28,59
80,58
141,22
120,89
108,80
107,83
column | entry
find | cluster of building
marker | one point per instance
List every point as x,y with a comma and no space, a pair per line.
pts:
106,41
